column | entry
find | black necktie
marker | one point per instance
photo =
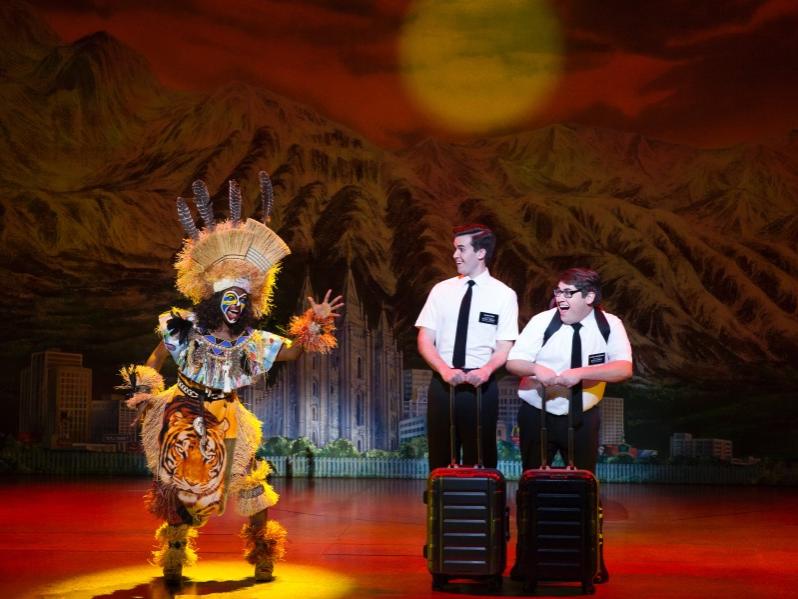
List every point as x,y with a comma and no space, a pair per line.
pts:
576,391
458,356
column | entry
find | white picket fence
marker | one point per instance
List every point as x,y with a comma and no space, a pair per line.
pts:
41,461
707,474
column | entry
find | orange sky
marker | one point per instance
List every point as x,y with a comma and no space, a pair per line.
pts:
708,73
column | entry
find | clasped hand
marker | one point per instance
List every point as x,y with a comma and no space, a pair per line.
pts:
476,377
548,378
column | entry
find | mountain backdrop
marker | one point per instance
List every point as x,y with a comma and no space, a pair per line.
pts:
698,249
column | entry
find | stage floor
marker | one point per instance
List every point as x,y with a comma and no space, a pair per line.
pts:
75,539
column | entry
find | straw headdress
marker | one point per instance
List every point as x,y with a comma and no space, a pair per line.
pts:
231,253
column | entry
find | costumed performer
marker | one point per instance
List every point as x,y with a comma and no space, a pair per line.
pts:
199,440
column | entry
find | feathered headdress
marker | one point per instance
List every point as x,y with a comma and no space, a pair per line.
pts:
231,253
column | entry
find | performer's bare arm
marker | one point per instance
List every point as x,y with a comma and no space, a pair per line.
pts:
522,368
157,357
428,351
287,354
611,372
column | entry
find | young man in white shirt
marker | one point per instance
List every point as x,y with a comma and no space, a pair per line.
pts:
568,354
605,357
485,311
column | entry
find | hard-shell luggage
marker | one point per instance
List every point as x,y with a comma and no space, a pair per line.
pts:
467,519
559,522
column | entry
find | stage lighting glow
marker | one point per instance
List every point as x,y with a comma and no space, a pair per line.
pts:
476,66
208,579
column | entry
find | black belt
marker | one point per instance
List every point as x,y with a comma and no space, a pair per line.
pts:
190,389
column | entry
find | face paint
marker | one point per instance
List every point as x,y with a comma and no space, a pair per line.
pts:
233,305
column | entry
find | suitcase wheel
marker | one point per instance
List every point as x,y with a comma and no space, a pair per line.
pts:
530,586
438,581
588,588
495,583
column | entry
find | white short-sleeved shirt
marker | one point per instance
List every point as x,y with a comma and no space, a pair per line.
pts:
493,317
556,355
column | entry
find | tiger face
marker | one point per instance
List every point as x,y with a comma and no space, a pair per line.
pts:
193,462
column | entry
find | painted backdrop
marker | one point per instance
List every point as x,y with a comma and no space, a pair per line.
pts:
656,142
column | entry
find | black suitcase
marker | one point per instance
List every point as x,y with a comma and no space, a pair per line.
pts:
467,519
559,522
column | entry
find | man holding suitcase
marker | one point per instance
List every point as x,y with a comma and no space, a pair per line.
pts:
568,353
465,330
554,365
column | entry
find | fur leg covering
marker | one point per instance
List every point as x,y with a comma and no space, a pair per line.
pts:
177,549
264,544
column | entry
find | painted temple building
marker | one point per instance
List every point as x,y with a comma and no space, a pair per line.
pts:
354,393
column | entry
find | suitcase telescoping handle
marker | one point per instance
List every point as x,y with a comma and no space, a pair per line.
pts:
570,465
544,434
479,427
453,462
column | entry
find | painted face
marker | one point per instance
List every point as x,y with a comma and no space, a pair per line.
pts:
577,306
469,262
234,300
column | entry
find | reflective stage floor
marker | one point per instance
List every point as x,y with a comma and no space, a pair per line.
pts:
76,539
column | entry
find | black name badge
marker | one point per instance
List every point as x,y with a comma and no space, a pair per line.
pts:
488,318
596,359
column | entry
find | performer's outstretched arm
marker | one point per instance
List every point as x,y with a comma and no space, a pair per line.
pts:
157,357
288,354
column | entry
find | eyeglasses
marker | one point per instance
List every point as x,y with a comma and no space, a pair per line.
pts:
566,293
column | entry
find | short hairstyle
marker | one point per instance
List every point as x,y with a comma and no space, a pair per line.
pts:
482,238
585,280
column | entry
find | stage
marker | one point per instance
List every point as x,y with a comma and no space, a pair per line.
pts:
76,539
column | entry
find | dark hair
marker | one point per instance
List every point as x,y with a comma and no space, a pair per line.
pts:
482,238
210,317
585,280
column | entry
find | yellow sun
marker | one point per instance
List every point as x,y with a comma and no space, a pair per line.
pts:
480,65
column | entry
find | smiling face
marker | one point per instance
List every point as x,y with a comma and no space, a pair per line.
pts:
575,308
469,262
232,304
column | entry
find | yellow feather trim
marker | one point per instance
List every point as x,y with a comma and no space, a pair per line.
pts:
256,494
141,382
250,251
263,543
244,480
170,557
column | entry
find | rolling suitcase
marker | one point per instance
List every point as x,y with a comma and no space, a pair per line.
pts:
467,518
559,521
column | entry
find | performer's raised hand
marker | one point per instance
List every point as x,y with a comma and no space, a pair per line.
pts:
327,307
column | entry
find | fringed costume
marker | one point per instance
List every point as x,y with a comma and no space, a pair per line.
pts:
199,440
